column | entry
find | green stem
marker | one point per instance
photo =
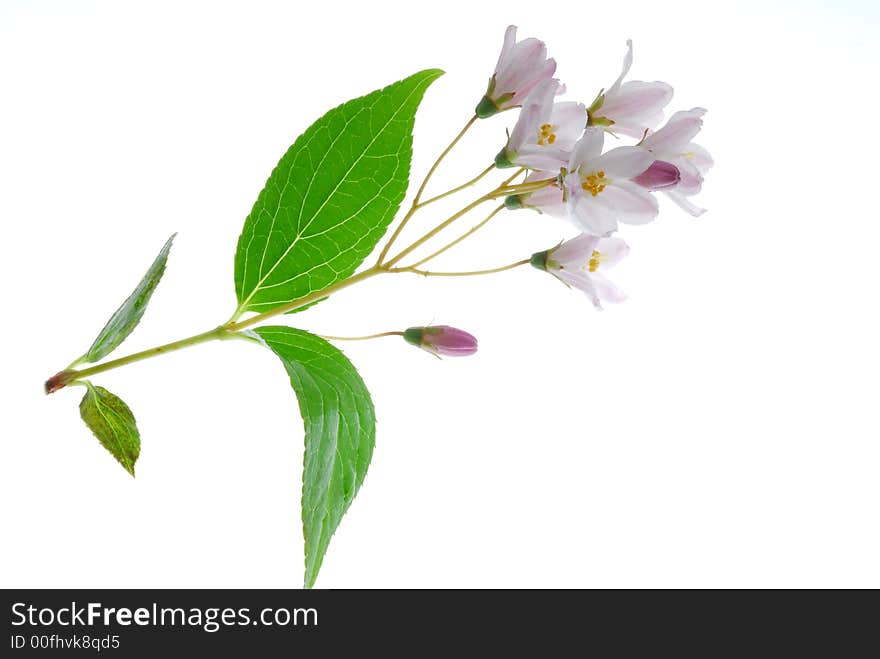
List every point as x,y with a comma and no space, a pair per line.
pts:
303,301
461,187
415,203
455,242
468,273
230,329
502,190
68,376
227,331
360,338
433,232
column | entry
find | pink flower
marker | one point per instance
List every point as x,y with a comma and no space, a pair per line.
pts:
672,144
600,187
630,108
521,66
442,340
578,263
546,132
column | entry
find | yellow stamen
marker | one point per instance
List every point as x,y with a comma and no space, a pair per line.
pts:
546,135
594,183
595,260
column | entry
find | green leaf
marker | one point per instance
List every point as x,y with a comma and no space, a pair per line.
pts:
330,199
126,317
112,422
340,431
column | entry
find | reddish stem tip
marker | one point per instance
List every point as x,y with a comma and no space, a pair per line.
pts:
59,381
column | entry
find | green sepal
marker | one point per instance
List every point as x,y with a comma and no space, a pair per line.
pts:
414,335
514,202
599,121
539,260
596,104
503,159
486,108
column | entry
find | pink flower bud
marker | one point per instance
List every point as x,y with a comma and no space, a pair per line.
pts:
659,176
442,340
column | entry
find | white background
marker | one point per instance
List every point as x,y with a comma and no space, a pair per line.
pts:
717,429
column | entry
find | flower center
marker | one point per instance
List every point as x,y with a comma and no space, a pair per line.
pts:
594,183
546,135
595,260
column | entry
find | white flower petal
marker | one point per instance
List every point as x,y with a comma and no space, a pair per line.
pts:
605,290
691,180
542,158
684,203
699,157
624,162
627,64
570,119
632,204
636,99
547,200
536,110
594,215
574,253
673,138
612,250
506,47
581,281
588,147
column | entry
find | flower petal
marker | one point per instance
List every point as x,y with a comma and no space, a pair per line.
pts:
543,158
632,204
636,100
699,157
580,280
624,162
574,253
588,148
595,215
607,291
627,64
506,47
570,119
684,203
536,110
612,250
673,138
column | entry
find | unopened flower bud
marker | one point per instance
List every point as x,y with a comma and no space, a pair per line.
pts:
659,176
442,340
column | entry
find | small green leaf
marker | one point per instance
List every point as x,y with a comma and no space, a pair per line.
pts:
112,422
126,317
340,431
330,199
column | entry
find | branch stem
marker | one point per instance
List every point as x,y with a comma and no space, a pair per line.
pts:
69,376
360,338
461,187
455,242
415,202
469,273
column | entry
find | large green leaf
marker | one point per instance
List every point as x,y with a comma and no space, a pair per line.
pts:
330,199
340,430
112,422
126,317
